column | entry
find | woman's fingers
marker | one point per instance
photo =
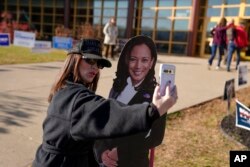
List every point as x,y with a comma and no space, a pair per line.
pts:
157,91
113,154
108,161
173,92
164,103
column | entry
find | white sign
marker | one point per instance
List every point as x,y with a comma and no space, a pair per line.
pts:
25,39
242,75
42,47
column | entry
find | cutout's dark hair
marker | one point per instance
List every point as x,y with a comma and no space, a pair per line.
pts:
122,72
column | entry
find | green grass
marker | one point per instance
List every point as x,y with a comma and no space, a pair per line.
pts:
194,138
22,55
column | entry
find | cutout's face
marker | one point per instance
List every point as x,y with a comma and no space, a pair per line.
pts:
88,70
139,63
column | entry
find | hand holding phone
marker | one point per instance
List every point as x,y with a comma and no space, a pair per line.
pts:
167,77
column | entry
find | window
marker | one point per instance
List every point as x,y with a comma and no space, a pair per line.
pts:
47,3
181,25
231,2
164,13
24,3
213,12
60,11
36,3
109,12
36,18
247,11
231,11
147,23
121,32
214,2
59,20
60,3
36,10
48,10
97,20
122,13
146,32
109,4
121,22
48,18
149,3
148,13
12,2
178,49
166,2
162,35
183,3
97,12
182,13
180,36
122,4
1,8
162,47
97,4
164,24
105,20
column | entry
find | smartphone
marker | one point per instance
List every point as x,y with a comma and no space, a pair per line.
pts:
167,77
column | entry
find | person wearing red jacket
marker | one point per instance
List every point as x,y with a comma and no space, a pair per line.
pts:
240,42
219,41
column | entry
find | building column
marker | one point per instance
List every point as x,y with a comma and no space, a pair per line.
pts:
193,28
66,13
129,29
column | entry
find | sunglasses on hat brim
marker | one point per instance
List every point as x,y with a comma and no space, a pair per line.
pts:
93,62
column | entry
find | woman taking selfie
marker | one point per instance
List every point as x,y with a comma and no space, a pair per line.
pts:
76,116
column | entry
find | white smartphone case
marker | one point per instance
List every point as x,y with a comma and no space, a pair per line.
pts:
167,77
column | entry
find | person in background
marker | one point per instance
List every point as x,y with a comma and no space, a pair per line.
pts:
76,116
134,83
239,43
110,31
230,39
219,41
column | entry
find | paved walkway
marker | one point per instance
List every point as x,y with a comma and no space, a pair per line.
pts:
24,89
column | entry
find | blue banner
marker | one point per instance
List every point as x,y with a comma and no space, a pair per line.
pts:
4,39
62,43
242,116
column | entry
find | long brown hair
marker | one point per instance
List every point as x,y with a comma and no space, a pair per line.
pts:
223,22
70,71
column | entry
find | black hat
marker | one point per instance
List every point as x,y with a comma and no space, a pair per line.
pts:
90,49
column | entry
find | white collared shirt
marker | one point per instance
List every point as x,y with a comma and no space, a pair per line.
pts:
128,92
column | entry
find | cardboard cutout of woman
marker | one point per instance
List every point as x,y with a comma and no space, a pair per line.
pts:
134,84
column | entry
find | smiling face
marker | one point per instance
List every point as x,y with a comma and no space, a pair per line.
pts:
88,71
139,63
